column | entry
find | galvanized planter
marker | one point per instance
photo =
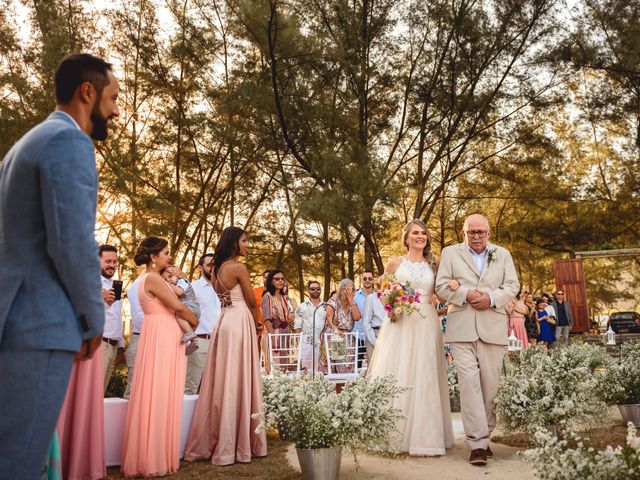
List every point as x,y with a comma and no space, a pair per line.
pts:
320,463
630,413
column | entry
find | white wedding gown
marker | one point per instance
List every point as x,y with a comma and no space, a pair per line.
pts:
412,349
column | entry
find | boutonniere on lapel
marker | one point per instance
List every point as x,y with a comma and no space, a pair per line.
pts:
491,256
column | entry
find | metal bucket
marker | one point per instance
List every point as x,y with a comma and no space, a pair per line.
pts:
320,463
630,413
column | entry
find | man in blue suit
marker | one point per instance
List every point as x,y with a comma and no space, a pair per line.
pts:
50,292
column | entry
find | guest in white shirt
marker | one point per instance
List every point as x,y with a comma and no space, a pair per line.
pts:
137,317
113,343
372,318
303,323
209,313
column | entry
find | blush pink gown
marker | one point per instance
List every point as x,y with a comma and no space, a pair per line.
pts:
152,432
81,422
222,429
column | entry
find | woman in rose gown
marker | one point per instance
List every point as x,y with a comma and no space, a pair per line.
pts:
152,431
81,422
222,429
411,348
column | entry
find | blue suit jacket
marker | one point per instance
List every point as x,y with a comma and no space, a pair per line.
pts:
50,271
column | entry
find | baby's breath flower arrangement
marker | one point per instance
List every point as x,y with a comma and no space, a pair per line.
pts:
570,458
315,416
619,384
541,388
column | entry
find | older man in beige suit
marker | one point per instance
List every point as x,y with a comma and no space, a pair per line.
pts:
477,325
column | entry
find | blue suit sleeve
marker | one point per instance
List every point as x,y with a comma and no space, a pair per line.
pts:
69,188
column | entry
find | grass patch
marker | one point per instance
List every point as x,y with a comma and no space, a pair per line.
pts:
273,467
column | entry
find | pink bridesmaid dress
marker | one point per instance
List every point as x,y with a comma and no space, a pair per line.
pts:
516,323
81,422
152,433
222,429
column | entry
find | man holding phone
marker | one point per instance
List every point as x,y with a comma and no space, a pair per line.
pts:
112,341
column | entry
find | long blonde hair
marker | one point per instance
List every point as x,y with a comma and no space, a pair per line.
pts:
426,251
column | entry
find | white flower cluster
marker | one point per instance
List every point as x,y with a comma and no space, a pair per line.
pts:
309,411
542,388
619,384
568,459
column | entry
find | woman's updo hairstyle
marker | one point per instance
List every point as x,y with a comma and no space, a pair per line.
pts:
147,247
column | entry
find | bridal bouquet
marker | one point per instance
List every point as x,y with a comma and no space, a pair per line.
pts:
398,297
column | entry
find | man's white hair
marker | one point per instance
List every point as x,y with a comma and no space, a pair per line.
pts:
466,220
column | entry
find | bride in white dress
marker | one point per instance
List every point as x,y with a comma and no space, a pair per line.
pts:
411,348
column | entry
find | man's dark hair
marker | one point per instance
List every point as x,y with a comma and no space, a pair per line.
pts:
201,261
76,69
311,282
106,248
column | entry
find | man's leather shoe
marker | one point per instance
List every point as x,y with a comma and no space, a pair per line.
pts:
489,452
478,457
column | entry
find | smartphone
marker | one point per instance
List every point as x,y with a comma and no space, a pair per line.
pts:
117,289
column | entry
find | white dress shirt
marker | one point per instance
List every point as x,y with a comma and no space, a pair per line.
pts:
112,316
372,316
137,315
304,319
481,260
209,306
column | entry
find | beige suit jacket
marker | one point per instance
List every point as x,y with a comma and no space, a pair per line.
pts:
499,279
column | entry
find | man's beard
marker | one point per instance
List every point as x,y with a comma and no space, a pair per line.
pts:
315,295
206,274
106,275
99,130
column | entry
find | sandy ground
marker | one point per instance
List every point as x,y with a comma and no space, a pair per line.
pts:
453,466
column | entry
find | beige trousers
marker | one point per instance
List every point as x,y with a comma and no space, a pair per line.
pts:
478,365
130,357
109,353
195,366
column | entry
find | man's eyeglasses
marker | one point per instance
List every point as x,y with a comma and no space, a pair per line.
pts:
476,233
367,279
559,293
314,289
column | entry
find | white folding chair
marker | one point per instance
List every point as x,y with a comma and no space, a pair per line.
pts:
284,353
342,356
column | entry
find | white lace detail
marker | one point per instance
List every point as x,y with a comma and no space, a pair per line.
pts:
419,274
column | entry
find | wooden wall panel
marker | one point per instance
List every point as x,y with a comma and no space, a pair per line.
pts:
569,276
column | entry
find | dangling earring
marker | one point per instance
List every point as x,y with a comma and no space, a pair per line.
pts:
153,265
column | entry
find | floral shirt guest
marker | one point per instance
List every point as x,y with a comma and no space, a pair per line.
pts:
341,318
275,312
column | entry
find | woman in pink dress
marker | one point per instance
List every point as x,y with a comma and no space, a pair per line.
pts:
152,431
517,310
222,429
81,422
